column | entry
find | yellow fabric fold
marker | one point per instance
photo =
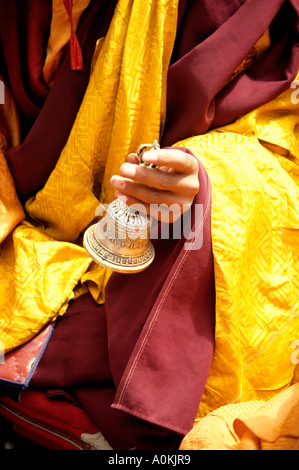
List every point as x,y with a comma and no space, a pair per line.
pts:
11,210
43,263
216,430
255,425
255,237
274,426
38,279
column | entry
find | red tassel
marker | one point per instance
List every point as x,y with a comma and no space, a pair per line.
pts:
75,49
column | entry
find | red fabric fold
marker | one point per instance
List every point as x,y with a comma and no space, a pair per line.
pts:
76,53
214,36
23,29
38,29
47,422
32,162
165,375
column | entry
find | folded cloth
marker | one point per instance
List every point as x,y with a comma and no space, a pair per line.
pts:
253,168
11,211
53,424
60,35
271,425
151,341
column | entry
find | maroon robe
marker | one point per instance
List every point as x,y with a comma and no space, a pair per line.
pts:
148,350
48,114
214,36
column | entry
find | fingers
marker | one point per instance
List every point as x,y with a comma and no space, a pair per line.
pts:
159,178
175,171
174,181
173,158
143,192
132,158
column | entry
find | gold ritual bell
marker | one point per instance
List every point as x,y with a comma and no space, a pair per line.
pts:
120,241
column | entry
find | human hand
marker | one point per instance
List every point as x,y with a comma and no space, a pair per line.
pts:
164,192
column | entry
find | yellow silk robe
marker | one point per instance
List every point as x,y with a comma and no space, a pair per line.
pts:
254,171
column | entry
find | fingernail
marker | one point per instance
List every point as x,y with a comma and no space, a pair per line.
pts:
117,183
128,170
150,156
